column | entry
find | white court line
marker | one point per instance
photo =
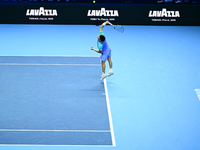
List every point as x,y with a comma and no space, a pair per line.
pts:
54,145
42,56
33,130
21,64
109,114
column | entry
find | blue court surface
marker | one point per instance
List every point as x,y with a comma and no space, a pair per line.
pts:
51,96
51,101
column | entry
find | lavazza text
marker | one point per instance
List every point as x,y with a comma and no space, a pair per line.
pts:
103,14
41,12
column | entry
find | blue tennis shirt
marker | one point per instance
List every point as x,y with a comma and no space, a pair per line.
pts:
103,46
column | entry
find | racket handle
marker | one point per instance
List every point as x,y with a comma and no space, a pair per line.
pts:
110,23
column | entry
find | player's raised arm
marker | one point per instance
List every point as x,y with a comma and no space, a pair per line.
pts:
103,24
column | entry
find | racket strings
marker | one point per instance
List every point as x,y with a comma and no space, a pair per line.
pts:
119,29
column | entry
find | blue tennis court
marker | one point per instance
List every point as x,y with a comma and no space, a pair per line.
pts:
53,102
153,94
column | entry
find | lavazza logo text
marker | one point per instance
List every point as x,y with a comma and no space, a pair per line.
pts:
102,13
164,15
41,14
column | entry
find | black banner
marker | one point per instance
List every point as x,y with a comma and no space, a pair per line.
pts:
95,14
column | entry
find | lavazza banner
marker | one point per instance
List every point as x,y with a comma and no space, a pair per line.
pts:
41,14
164,15
95,14
103,14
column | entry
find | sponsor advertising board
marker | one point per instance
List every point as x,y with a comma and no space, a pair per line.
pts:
95,14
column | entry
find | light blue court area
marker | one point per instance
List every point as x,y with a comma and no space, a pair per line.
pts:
153,94
50,101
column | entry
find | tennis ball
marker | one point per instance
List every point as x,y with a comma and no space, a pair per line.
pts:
94,1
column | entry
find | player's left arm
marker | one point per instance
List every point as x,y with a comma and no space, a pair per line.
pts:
103,24
98,51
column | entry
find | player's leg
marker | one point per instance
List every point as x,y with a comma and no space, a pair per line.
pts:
110,64
103,66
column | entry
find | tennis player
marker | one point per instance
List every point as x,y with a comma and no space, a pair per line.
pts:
105,52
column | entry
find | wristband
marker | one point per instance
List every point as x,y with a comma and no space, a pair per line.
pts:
104,24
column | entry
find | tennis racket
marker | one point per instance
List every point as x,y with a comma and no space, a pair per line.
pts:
118,28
